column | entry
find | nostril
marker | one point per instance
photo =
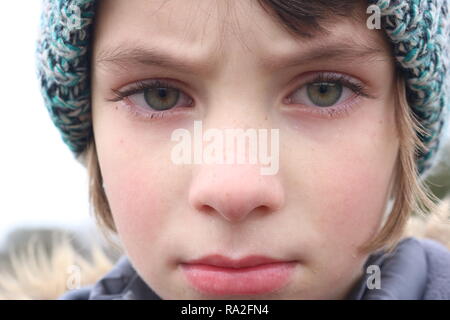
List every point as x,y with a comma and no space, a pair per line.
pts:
263,209
205,208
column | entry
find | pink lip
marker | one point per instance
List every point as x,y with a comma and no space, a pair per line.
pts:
219,275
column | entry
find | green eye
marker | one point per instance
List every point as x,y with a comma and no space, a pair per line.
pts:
324,94
161,98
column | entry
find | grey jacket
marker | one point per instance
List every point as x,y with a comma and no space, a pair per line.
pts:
418,269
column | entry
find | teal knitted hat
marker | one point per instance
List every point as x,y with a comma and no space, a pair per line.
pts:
418,29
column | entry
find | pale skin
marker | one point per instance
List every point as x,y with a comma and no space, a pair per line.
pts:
330,192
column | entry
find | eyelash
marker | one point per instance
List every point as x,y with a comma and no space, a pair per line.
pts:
359,90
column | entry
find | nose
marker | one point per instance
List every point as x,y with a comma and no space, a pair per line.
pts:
234,191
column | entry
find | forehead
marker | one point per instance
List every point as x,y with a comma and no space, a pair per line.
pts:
213,31
177,23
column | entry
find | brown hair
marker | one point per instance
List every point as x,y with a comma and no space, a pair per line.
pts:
410,194
305,18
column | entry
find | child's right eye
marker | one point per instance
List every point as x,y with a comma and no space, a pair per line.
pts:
153,99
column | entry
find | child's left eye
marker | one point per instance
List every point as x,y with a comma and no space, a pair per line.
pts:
328,94
323,94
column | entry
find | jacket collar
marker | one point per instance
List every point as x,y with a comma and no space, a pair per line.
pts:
122,283
402,274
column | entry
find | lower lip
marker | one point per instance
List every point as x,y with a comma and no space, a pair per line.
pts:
260,279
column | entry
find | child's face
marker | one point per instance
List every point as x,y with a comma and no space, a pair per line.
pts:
329,194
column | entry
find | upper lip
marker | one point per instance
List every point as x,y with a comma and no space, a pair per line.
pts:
245,262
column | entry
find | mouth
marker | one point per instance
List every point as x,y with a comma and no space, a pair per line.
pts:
219,275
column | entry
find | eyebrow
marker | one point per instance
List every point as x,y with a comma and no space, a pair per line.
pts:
124,56
127,57
337,52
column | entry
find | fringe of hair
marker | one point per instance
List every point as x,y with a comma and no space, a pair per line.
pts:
412,195
100,207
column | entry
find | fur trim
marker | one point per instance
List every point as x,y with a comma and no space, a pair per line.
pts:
436,226
38,274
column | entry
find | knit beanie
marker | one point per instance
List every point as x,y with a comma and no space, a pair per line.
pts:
419,31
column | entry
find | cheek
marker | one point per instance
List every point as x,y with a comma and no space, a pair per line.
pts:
136,186
136,213
359,189
349,164
353,201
